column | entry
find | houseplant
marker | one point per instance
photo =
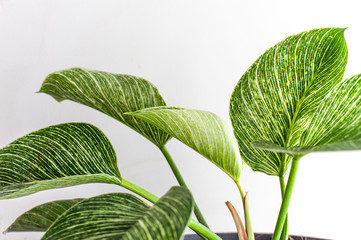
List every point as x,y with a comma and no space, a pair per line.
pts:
292,101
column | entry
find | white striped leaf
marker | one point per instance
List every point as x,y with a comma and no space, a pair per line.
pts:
112,94
40,218
123,216
54,157
335,125
203,131
279,97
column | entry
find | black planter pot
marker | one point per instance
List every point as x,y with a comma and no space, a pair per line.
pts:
258,236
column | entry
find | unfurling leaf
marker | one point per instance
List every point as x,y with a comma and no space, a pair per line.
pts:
242,234
281,97
54,157
123,216
112,94
205,132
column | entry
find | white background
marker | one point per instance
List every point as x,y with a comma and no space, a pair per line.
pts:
194,52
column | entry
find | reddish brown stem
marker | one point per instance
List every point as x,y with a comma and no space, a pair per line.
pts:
242,234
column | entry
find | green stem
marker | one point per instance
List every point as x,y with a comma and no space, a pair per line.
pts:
284,235
286,200
282,185
182,183
195,226
246,209
203,230
139,190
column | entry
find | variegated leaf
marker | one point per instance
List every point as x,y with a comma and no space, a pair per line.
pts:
279,97
54,157
205,132
335,125
123,216
41,217
112,94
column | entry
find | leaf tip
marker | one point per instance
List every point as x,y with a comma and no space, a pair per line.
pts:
342,31
6,231
44,91
41,90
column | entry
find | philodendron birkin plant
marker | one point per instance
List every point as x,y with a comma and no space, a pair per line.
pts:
292,101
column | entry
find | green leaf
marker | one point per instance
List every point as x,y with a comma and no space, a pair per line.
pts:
54,157
335,126
112,94
123,216
41,217
279,98
204,132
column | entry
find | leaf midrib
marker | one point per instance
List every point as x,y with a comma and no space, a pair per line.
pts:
298,107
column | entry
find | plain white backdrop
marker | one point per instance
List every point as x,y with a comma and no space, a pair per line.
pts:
194,52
